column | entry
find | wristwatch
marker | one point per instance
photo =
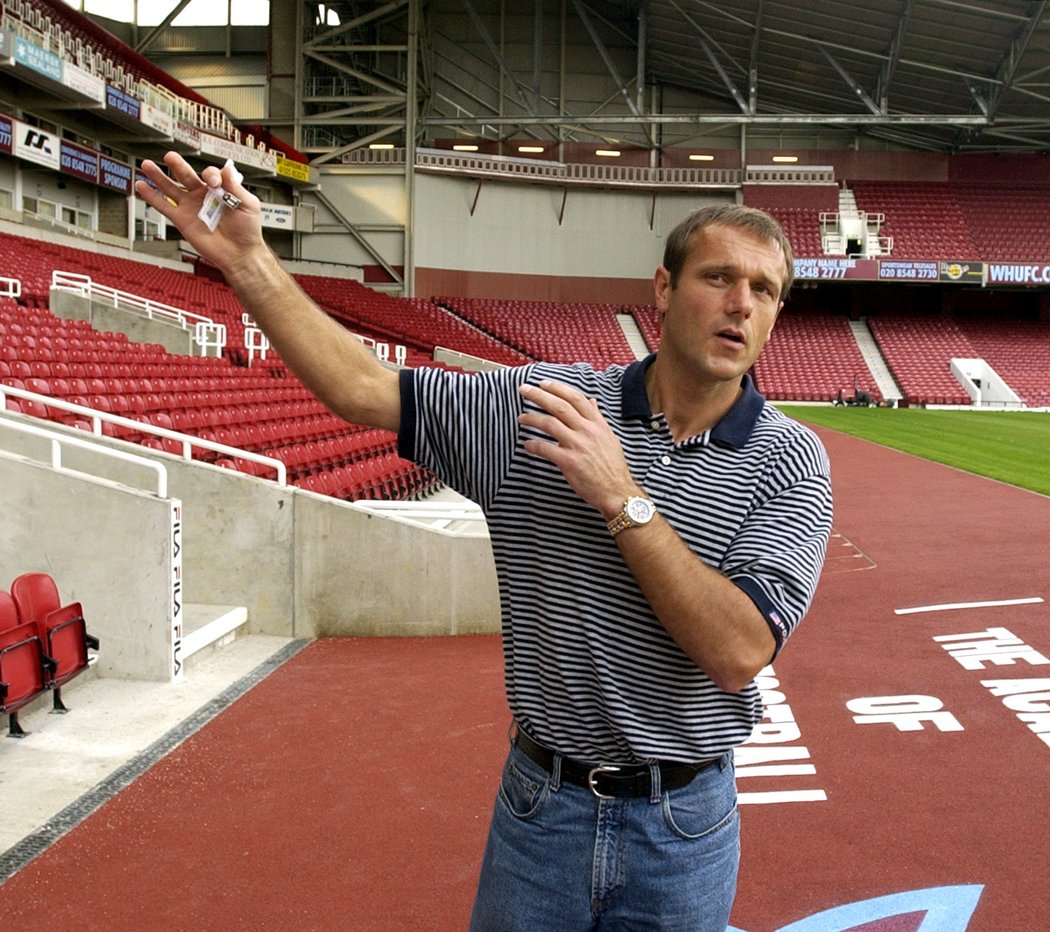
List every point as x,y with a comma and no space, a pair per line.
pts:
636,511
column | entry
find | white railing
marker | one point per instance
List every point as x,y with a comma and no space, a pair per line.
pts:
207,333
790,174
463,519
597,173
10,287
59,440
188,442
593,173
577,172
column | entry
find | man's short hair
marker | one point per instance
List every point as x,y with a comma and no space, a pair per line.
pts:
755,221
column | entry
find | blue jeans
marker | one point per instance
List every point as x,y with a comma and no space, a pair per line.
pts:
559,859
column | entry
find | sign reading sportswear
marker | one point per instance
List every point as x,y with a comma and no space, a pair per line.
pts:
907,271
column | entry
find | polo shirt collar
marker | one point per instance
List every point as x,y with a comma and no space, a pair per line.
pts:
733,430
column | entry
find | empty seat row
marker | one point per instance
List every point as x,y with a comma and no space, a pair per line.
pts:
43,645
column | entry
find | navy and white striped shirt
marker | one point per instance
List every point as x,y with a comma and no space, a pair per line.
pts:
590,670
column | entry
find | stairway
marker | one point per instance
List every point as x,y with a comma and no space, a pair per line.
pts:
633,335
876,364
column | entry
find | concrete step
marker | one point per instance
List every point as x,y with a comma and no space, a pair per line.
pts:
210,626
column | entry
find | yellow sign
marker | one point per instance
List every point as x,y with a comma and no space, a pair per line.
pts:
297,170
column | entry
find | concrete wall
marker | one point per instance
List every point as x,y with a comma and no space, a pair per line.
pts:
107,546
139,329
522,241
303,565
368,575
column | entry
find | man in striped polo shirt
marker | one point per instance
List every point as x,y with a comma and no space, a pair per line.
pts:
658,532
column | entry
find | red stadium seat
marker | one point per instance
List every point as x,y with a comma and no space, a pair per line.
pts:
21,664
61,629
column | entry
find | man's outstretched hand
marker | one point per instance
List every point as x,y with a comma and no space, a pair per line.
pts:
178,196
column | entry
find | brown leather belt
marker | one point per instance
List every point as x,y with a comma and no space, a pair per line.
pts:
611,781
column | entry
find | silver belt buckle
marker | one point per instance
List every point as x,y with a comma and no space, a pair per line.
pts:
592,776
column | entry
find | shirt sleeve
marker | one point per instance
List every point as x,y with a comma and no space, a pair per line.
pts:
462,427
778,554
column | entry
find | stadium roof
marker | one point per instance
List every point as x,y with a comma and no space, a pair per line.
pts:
935,75
956,75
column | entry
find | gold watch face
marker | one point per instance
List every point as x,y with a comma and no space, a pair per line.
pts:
639,510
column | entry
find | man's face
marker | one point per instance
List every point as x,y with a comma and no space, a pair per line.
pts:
722,310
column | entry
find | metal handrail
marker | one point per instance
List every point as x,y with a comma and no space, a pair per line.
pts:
59,440
84,286
144,427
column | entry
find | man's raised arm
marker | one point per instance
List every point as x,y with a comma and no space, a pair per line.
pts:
328,359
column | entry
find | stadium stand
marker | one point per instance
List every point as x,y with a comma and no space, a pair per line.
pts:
1018,349
574,332
918,350
1005,221
802,226
812,357
648,321
924,219
421,324
270,413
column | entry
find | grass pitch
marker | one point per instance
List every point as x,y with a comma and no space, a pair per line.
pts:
1010,446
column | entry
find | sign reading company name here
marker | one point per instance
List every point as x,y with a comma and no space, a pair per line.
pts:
836,268
80,162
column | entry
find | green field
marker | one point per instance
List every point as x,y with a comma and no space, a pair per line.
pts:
1011,446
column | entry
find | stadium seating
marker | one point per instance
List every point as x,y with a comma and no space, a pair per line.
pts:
1018,350
554,332
21,664
648,320
61,628
802,227
812,357
918,349
924,218
422,325
1006,221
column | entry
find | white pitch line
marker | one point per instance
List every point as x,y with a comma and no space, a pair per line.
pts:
951,606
